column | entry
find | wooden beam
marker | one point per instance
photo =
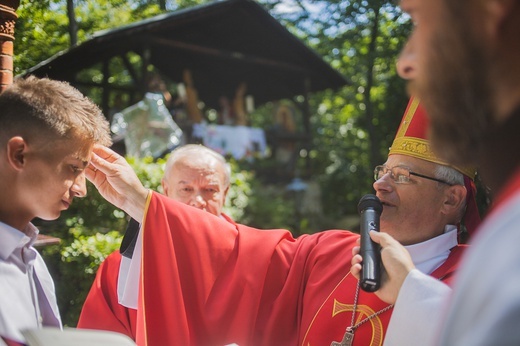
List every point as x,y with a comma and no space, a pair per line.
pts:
125,88
225,54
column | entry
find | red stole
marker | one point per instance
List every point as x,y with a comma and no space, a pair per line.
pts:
335,315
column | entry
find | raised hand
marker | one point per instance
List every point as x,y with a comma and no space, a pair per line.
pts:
117,182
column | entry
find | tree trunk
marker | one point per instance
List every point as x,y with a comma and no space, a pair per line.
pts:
374,158
162,5
73,24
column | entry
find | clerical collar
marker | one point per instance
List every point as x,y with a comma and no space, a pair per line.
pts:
430,254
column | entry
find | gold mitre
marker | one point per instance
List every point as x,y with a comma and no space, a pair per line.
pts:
411,138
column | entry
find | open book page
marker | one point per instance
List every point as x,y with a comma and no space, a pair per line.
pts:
76,337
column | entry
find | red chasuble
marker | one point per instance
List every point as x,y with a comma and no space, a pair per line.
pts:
101,309
205,281
335,315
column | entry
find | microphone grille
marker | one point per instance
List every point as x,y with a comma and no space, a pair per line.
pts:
370,201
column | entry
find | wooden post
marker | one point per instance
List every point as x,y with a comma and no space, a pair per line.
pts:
8,18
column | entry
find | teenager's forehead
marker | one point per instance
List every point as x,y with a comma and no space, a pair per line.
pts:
81,150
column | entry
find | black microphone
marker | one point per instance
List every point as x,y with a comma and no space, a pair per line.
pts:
369,209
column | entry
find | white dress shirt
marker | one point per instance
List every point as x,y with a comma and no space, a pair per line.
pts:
27,295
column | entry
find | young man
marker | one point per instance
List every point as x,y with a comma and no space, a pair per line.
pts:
47,131
462,60
205,281
194,175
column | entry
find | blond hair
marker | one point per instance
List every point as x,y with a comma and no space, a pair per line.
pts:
41,109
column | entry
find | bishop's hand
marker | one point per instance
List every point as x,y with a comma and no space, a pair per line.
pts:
116,181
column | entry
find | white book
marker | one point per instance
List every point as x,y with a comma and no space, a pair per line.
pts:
78,337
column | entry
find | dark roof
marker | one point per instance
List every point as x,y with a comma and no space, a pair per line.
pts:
223,43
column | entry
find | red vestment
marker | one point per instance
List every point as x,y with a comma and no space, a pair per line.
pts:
207,282
335,315
101,309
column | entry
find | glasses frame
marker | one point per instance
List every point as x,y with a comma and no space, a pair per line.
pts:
389,170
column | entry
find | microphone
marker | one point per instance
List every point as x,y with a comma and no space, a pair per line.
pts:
369,209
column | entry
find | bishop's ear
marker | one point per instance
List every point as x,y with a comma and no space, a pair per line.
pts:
16,150
455,198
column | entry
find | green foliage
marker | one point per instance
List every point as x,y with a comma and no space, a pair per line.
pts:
354,126
270,207
96,246
150,172
238,197
74,266
46,22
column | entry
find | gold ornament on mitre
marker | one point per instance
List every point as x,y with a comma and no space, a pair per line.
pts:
411,138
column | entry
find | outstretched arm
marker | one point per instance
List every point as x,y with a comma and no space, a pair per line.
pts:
117,182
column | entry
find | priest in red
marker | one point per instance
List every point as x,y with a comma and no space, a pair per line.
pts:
194,175
205,281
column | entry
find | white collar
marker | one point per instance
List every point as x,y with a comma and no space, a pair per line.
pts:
13,238
430,254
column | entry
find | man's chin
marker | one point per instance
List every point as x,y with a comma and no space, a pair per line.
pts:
50,217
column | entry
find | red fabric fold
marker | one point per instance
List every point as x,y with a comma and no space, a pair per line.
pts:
472,215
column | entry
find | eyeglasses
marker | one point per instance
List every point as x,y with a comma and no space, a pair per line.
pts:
401,175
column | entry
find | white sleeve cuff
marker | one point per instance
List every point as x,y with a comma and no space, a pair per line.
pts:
418,311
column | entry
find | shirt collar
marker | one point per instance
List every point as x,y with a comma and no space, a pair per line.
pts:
13,238
425,254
